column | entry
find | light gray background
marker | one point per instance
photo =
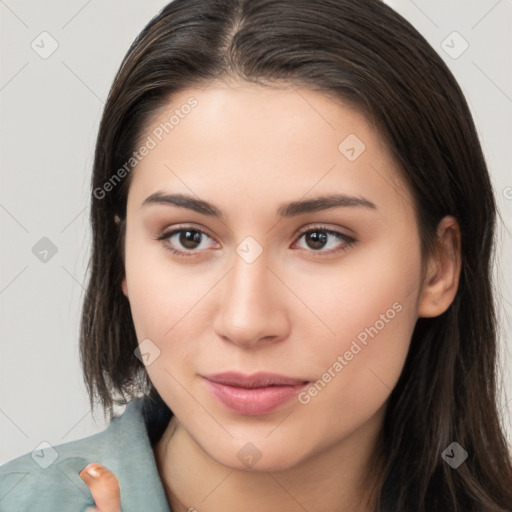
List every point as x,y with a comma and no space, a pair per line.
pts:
50,110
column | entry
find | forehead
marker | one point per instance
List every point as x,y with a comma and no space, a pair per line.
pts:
242,141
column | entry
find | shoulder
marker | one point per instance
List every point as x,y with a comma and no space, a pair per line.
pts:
48,479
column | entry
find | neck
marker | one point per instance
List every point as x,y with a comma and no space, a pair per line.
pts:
338,479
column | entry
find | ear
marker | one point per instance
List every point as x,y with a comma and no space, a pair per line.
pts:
124,287
443,271
117,220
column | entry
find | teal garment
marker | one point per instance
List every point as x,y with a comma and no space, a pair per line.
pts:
124,447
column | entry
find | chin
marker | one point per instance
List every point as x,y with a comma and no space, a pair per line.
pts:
248,457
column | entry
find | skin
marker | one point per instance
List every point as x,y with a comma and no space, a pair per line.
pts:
104,488
247,149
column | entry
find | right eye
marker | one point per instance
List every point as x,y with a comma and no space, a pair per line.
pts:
189,238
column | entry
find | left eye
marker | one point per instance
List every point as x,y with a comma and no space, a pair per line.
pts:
318,238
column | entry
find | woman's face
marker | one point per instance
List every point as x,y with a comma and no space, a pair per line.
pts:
268,279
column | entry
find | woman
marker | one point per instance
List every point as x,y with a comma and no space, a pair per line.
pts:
290,279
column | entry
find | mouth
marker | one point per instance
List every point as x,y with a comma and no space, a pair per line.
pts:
255,394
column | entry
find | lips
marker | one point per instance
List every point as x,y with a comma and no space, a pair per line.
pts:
255,394
257,380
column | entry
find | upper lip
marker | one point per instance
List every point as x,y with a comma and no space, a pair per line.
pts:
256,380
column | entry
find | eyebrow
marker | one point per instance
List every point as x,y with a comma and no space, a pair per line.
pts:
290,209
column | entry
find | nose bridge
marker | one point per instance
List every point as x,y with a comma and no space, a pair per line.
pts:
246,285
248,308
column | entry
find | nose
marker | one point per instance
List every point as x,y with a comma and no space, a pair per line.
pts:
252,305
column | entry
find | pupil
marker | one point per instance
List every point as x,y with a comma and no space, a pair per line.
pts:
189,238
317,238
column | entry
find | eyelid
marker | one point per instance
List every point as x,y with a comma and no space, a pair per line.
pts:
322,227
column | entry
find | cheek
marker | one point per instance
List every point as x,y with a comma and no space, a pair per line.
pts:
161,292
168,304
367,283
372,309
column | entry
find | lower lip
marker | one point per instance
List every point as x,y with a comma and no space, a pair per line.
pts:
256,401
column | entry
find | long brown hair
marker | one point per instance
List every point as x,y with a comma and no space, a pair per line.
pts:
364,53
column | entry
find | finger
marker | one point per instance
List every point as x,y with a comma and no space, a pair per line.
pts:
104,487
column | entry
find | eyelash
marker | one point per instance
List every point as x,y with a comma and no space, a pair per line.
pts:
348,241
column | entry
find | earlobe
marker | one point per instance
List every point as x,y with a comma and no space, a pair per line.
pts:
442,277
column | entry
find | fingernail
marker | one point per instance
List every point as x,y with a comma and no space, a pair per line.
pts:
93,472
